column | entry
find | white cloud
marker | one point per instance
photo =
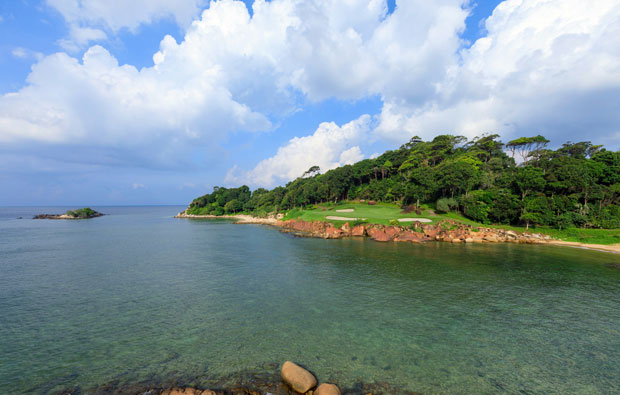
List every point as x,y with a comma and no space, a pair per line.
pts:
231,72
98,102
550,67
136,186
80,37
24,53
90,19
328,147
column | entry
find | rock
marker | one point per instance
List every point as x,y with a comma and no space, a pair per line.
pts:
298,378
511,234
346,228
409,235
327,389
378,234
331,232
391,231
359,230
186,391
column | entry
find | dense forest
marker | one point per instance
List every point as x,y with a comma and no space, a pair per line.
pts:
521,182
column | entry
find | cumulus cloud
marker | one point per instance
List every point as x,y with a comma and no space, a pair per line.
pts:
98,102
89,20
232,71
328,147
550,67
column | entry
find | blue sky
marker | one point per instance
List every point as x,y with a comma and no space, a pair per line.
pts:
146,102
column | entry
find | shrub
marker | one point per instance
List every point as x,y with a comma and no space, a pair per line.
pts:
445,205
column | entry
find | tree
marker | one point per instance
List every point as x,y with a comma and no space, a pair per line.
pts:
526,146
311,172
528,179
529,218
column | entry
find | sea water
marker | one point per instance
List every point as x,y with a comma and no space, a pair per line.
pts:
139,297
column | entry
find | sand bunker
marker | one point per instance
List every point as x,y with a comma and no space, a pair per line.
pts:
414,220
334,218
345,210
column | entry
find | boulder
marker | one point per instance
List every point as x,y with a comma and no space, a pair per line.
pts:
378,234
327,389
511,234
391,231
331,232
298,378
409,235
187,391
359,230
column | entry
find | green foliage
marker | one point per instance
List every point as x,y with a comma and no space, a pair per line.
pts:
445,205
358,222
577,185
81,213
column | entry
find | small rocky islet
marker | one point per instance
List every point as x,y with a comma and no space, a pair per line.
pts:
83,213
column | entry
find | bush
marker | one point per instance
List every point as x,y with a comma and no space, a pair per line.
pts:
359,222
570,220
445,205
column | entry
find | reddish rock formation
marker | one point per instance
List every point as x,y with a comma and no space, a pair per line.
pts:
359,230
411,236
447,231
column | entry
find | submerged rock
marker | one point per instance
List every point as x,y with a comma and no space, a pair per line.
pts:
327,389
187,391
298,378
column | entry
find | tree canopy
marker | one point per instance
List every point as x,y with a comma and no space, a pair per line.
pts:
576,185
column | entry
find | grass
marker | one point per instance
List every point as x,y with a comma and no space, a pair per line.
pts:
381,213
385,213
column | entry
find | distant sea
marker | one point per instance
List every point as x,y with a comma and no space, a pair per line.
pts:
138,297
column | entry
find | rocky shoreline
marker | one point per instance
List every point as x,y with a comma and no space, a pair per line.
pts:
445,231
64,216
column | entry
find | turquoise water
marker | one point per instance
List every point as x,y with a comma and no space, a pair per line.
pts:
141,297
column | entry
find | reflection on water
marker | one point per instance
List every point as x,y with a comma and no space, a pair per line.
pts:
139,297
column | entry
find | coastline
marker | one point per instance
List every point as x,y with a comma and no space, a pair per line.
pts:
420,233
613,248
240,218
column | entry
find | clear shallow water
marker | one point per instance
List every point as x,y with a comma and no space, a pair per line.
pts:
141,297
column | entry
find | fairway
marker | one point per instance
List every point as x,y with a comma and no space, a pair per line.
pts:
380,213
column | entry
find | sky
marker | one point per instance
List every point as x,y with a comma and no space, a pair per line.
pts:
115,102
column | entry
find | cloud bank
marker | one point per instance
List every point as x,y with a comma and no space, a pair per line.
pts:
550,67
544,66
